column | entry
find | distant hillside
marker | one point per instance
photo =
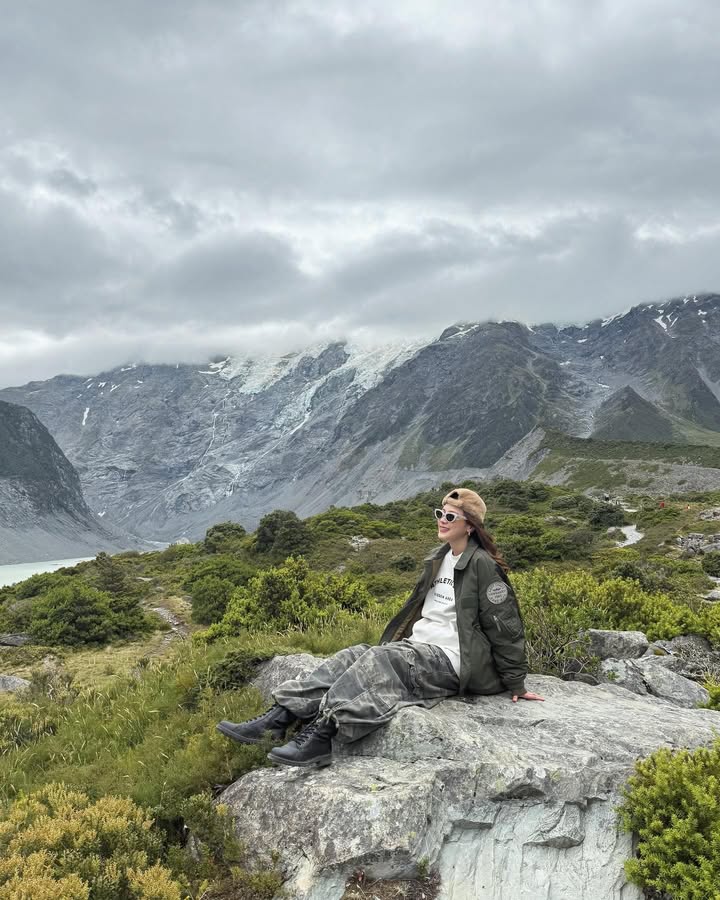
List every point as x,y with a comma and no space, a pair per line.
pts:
650,467
627,417
42,511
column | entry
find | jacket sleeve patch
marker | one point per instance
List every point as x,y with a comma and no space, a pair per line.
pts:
497,592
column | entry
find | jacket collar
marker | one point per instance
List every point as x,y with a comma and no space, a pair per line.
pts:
439,552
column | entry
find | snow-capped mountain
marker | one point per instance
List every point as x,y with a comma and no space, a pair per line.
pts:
166,451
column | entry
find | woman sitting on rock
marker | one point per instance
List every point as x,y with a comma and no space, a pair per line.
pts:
459,632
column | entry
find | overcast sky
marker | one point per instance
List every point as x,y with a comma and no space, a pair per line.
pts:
183,179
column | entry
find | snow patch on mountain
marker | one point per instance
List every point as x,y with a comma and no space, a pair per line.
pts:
370,364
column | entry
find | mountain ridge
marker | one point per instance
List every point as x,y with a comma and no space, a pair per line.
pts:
167,450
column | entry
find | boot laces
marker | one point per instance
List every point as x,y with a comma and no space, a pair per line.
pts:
261,716
308,731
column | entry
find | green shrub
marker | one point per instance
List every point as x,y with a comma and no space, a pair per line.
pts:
72,615
216,867
713,688
671,803
224,537
537,491
404,563
38,584
711,563
109,575
579,502
177,552
606,515
210,596
77,614
221,565
234,670
505,492
576,544
57,840
291,596
281,532
556,607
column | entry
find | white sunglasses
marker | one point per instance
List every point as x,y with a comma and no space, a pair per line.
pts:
448,516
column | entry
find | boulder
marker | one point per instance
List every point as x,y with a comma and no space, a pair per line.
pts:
662,681
14,640
624,673
617,644
690,655
505,800
358,542
13,684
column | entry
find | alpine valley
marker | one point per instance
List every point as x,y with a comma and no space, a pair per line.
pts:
628,403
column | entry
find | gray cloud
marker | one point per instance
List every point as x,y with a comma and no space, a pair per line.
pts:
306,168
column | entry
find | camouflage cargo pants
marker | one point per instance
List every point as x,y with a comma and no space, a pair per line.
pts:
362,687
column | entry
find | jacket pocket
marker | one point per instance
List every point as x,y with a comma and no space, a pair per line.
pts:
484,678
508,622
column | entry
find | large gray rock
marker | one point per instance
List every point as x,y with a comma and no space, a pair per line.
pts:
13,684
617,644
508,801
690,655
624,673
662,681
15,640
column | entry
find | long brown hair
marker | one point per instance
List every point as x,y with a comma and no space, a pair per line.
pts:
487,543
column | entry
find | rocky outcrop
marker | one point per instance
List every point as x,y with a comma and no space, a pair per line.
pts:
19,639
617,644
668,670
42,511
505,800
12,684
697,542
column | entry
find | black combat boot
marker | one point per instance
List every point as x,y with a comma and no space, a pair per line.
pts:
275,722
310,747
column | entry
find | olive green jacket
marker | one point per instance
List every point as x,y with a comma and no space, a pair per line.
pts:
490,629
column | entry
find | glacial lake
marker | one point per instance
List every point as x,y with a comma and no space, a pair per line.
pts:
21,571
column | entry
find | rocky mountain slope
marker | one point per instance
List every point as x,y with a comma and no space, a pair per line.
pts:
42,511
168,450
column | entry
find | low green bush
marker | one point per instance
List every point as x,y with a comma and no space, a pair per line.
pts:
291,596
404,563
234,670
671,803
578,502
555,607
606,515
711,563
59,843
220,565
281,532
216,871
210,597
713,688
224,537
76,614
109,575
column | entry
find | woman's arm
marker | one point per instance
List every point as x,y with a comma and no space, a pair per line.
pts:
500,619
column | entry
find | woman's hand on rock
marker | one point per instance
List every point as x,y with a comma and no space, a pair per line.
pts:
528,695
